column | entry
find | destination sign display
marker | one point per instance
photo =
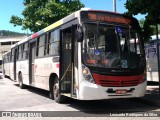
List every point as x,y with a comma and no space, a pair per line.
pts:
105,17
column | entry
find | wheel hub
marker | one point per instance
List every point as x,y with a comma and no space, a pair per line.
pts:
56,90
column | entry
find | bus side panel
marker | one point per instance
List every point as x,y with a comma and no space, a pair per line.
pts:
43,67
7,69
11,71
22,67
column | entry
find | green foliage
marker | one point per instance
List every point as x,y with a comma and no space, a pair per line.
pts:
17,20
41,13
141,22
10,33
152,28
148,7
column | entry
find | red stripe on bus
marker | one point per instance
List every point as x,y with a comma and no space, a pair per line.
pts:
34,35
57,65
35,67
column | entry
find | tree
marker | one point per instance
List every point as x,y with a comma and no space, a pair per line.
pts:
41,13
141,22
152,27
148,7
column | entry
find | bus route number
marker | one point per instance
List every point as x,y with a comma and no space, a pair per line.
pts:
92,16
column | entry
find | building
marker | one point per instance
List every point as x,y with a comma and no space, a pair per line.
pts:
6,43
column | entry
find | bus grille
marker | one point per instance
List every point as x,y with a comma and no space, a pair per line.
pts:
117,81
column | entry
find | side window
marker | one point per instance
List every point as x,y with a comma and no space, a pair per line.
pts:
3,61
53,42
5,58
41,46
25,51
20,49
12,54
8,56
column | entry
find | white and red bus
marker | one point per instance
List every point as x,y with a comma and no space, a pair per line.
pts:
6,64
88,55
5,45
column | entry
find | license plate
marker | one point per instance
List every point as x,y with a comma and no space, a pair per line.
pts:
121,91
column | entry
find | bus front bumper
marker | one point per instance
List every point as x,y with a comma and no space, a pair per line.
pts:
90,91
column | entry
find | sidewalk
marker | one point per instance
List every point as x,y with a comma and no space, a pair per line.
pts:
152,96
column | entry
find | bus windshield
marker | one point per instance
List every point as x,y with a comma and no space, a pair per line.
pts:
111,46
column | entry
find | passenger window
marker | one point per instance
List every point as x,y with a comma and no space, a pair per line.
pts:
53,42
41,46
25,51
20,49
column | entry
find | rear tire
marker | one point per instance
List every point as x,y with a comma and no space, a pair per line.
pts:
21,85
56,94
51,92
4,74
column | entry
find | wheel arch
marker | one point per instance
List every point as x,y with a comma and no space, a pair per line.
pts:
51,79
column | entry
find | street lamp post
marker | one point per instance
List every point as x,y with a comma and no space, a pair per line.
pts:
158,55
114,5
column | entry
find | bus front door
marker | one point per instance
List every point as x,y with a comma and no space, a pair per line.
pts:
67,61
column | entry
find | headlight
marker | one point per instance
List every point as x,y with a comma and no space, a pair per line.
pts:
87,75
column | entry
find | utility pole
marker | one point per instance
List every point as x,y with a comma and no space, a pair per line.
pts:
158,55
114,5
158,48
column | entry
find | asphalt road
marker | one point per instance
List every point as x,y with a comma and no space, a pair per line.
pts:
12,98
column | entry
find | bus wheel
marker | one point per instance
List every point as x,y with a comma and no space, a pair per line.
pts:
57,96
21,85
4,74
51,96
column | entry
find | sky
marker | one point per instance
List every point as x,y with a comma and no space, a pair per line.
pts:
15,7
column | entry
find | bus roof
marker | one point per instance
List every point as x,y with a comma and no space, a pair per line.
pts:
54,25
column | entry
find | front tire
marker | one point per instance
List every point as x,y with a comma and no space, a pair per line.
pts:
56,94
